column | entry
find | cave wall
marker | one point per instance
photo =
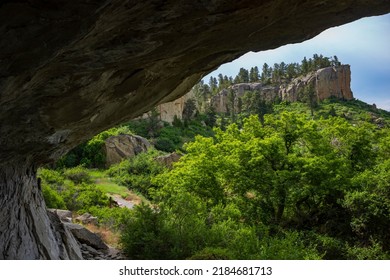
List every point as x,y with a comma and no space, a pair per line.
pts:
70,69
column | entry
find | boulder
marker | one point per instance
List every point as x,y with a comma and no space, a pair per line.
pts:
64,215
169,159
67,243
85,236
87,218
124,146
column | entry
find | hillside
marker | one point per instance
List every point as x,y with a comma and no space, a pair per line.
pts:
304,183
283,169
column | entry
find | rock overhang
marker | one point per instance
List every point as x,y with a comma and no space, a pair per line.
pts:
72,69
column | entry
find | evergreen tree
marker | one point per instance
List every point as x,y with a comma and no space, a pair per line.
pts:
266,74
213,84
305,68
254,74
242,77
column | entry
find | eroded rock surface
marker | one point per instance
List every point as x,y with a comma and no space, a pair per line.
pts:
325,83
124,146
70,69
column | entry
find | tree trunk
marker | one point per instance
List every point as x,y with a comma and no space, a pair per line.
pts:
26,230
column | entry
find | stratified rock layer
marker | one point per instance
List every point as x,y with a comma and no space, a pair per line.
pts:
70,69
325,83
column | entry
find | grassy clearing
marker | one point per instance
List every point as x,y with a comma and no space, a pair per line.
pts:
106,185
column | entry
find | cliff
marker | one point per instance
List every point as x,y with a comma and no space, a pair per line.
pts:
71,69
327,82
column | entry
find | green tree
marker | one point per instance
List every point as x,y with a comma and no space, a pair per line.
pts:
242,76
265,74
254,74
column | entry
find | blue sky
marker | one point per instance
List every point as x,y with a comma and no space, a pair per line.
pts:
364,44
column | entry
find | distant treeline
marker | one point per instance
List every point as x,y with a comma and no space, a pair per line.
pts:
268,74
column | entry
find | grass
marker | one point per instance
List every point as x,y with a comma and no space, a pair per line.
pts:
110,237
106,185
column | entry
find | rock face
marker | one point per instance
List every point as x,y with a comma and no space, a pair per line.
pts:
85,236
71,69
220,100
124,146
64,215
327,82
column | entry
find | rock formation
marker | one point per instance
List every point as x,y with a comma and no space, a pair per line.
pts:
266,92
327,82
71,69
81,242
124,146
169,159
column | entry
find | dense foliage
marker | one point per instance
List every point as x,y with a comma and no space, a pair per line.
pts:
266,180
91,153
290,188
71,189
136,173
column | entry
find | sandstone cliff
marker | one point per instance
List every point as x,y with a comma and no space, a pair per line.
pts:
327,82
71,69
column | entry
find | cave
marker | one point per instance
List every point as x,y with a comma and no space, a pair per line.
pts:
71,69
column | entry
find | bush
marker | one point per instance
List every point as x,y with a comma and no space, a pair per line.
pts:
144,236
52,198
78,175
289,246
78,194
373,251
51,177
113,218
210,253
165,144
87,196
136,173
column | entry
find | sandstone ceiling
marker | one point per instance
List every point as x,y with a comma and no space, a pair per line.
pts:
70,69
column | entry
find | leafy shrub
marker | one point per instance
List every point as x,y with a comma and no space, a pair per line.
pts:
87,196
210,253
113,218
136,173
144,236
289,246
51,177
165,144
78,175
52,198
75,195
373,251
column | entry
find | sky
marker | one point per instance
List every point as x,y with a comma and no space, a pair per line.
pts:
364,44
